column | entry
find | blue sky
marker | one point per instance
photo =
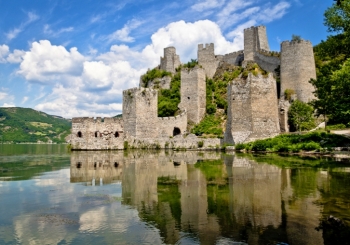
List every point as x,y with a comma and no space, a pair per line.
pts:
74,58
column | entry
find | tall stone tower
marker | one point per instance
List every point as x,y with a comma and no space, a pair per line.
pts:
252,109
170,61
206,58
297,68
255,39
193,96
140,112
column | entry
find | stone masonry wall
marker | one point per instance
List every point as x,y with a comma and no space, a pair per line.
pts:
89,133
255,39
207,59
158,83
252,109
193,96
268,63
167,125
140,112
297,68
262,42
234,58
170,61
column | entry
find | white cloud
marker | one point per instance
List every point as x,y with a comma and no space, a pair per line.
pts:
122,35
25,98
4,50
8,105
49,31
224,15
16,56
273,13
15,31
45,62
208,4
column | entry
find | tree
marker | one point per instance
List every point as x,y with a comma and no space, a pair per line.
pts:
337,17
296,38
300,116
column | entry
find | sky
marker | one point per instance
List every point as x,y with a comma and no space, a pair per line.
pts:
74,58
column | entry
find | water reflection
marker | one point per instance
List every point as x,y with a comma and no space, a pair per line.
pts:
171,198
207,197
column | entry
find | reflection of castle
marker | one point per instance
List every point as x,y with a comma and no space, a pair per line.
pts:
254,111
175,191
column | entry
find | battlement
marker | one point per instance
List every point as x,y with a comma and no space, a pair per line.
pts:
296,42
191,70
182,114
170,61
208,46
255,27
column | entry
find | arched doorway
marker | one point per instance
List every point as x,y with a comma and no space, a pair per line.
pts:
176,131
79,134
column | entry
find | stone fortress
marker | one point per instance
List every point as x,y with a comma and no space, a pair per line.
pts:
255,111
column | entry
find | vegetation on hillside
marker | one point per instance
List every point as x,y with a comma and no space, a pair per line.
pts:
332,57
296,142
27,125
300,116
151,75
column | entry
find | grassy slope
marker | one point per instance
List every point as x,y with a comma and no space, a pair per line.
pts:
28,125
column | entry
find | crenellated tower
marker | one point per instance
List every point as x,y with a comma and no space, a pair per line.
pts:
255,39
207,59
170,61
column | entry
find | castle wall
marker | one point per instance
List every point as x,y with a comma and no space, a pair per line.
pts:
140,112
250,46
268,63
170,61
206,59
158,83
89,133
168,125
252,109
262,42
297,68
193,97
234,58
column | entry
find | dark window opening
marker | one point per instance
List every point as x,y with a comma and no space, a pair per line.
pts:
116,134
176,164
78,164
116,164
188,97
176,131
96,134
80,134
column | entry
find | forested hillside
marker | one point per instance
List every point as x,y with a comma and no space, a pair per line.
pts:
27,125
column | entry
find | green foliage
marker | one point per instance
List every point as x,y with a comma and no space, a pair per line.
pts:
288,94
296,142
191,64
337,17
28,125
336,126
200,144
210,126
168,99
300,116
153,74
126,145
296,38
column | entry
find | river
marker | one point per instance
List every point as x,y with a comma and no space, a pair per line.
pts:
51,196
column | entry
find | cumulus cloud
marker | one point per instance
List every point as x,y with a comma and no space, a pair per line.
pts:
122,35
46,62
16,56
8,105
4,50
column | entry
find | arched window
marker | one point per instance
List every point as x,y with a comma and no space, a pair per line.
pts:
80,135
176,131
116,134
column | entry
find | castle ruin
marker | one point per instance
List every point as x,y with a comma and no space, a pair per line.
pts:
254,110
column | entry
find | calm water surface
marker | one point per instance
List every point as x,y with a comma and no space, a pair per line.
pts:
51,196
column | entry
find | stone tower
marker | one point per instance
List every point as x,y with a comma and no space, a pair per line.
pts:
297,68
140,112
193,96
255,39
171,60
206,58
252,109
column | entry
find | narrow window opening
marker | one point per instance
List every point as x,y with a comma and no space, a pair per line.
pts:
80,134
188,97
96,134
116,134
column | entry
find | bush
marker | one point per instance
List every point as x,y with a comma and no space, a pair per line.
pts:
200,144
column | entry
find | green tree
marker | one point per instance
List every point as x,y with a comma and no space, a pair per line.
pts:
300,116
296,38
337,17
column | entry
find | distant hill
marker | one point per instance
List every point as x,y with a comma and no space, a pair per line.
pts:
27,125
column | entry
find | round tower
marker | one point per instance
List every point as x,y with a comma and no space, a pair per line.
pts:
297,68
